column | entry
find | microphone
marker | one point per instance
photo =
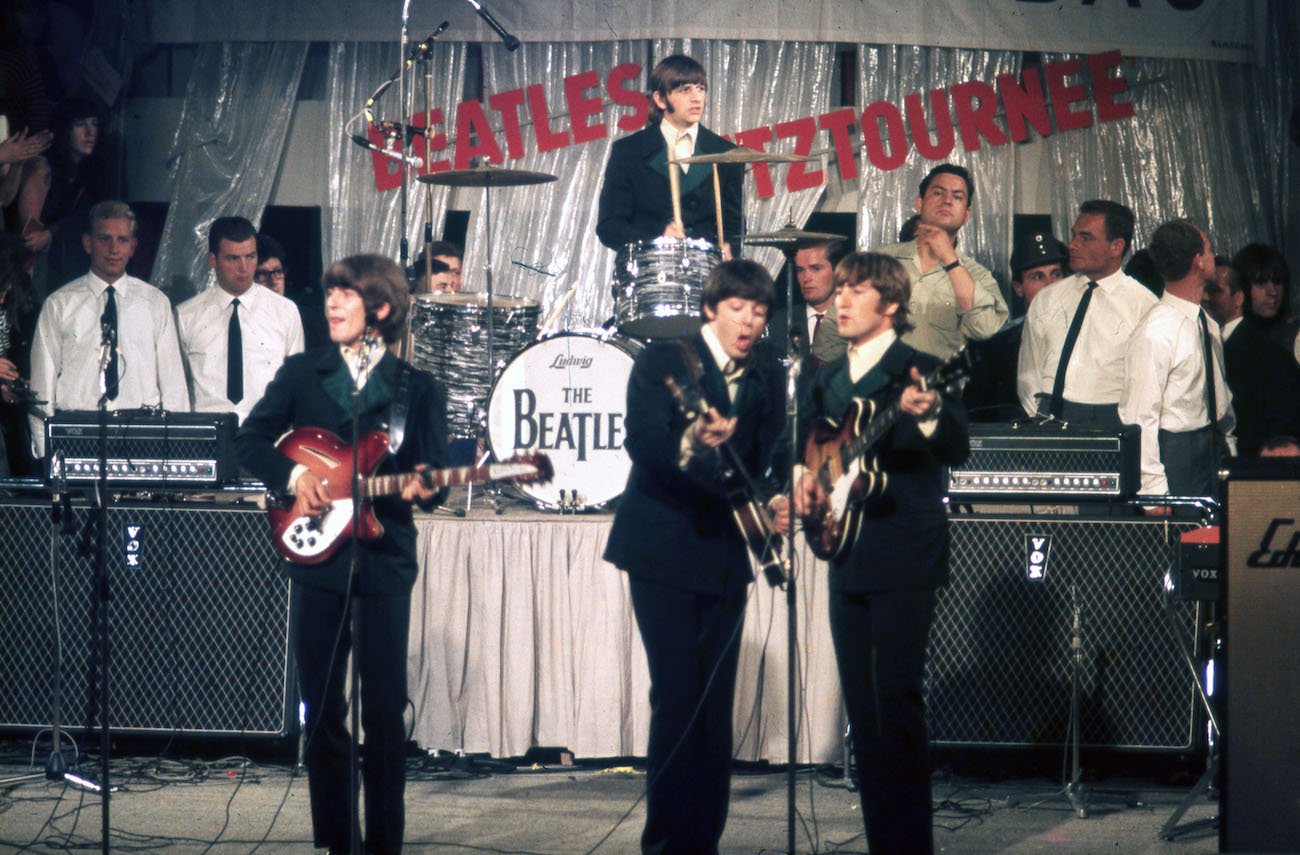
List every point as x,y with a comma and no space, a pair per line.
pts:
417,50
409,160
510,41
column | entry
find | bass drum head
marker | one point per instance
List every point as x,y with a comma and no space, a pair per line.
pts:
566,396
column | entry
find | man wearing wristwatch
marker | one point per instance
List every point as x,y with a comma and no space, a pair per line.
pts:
955,299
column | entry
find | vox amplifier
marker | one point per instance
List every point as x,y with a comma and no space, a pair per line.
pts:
146,448
1047,462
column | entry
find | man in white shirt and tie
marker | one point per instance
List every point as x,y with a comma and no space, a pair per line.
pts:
106,318
1174,387
1079,377
235,336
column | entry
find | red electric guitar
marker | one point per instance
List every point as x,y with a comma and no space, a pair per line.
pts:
313,539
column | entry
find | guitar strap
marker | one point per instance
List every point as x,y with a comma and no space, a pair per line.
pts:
691,357
398,410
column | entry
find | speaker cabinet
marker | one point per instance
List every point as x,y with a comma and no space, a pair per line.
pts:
1000,658
1261,686
198,621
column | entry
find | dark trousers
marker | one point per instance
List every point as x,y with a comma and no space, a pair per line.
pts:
880,641
1103,416
687,638
1190,459
322,679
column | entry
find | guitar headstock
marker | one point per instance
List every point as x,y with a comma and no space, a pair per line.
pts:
540,465
689,402
949,376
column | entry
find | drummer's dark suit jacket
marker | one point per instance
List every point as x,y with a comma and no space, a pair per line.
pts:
674,526
903,540
311,390
636,202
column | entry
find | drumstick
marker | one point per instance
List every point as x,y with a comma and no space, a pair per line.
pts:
717,204
554,316
675,187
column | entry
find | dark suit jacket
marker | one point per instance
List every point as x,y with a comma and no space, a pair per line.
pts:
636,202
1263,379
310,390
903,540
674,526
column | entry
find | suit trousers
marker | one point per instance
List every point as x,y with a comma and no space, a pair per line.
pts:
880,644
322,640
692,644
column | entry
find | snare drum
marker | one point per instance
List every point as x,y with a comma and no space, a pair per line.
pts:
658,286
449,340
567,396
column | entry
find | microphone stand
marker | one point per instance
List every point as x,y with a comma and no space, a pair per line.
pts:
792,368
354,610
107,346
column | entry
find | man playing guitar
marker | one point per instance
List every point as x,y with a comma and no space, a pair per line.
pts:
366,299
883,582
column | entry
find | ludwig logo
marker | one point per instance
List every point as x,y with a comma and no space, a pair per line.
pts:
1279,547
1038,548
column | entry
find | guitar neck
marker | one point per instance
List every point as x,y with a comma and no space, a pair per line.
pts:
389,485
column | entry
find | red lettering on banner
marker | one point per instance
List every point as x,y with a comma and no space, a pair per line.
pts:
757,139
1024,102
1063,95
474,137
582,108
945,139
625,97
507,104
894,132
803,131
547,139
976,103
838,123
1105,87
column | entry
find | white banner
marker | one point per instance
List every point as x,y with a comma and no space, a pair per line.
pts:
1192,29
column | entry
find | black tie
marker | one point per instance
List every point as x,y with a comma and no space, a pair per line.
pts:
108,323
1211,400
234,356
1057,403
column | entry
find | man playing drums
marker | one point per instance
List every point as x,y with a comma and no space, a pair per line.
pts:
637,200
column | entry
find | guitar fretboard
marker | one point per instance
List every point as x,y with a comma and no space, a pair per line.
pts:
387,485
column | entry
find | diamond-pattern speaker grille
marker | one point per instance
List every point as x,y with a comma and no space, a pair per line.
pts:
198,632
1000,657
141,448
1055,460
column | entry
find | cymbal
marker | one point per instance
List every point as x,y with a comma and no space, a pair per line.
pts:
742,154
486,176
787,235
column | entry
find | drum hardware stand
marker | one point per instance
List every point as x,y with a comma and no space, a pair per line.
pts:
1079,795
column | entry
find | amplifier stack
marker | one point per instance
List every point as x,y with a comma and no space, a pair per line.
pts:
1047,462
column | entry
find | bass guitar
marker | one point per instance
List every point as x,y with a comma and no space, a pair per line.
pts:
314,539
838,454
747,510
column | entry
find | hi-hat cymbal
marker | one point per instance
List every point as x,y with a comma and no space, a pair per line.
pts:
786,236
741,154
486,176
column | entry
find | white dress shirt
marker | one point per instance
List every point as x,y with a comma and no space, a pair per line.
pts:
271,330
1096,371
1164,382
682,143
65,352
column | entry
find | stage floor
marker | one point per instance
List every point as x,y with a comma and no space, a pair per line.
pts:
188,806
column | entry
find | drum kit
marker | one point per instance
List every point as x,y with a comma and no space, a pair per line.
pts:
565,393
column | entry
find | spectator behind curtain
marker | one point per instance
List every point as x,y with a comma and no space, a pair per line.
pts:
17,320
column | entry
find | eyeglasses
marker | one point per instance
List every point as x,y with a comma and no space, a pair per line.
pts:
277,273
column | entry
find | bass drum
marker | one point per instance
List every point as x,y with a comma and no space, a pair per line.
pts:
566,396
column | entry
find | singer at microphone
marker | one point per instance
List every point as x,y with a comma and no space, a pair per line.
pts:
365,295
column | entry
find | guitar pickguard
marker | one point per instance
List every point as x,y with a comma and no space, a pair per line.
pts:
307,537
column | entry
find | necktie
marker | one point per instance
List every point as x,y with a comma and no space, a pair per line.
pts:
813,361
732,372
1058,386
108,323
234,356
1207,353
